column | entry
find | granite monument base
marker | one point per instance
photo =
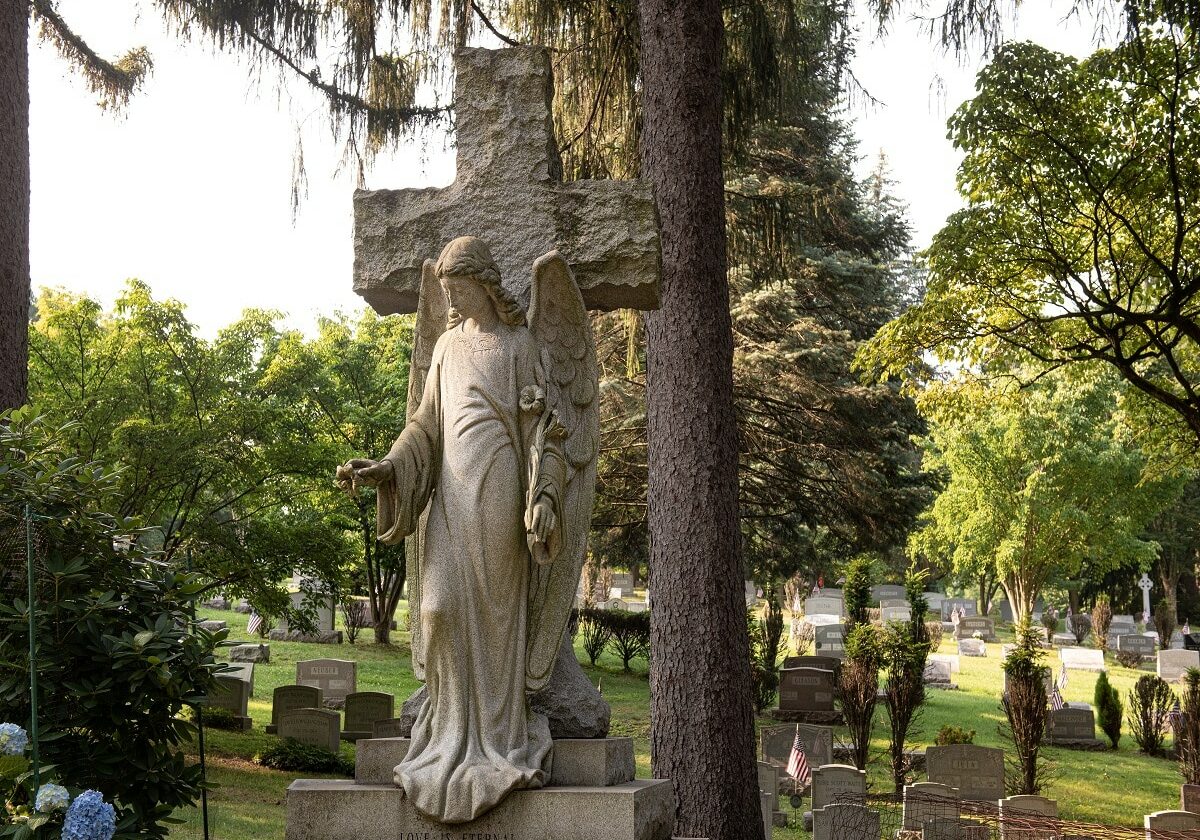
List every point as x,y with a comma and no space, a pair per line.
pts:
331,809
590,762
810,716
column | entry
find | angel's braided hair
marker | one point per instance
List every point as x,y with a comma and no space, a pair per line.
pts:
468,256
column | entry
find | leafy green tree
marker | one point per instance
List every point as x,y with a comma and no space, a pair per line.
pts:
1176,531
1038,479
211,456
117,659
349,387
1080,233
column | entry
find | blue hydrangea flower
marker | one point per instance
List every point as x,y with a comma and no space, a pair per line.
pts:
51,798
89,818
13,739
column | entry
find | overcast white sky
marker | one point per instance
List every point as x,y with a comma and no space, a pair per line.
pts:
189,190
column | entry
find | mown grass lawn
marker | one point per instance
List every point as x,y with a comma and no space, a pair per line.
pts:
1106,787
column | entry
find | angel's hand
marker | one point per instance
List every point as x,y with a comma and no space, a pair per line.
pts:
542,521
363,471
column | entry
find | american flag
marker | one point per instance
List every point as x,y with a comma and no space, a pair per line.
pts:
1056,699
797,766
1175,714
255,622
1062,678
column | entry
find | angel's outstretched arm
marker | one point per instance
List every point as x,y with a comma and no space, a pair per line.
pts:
414,459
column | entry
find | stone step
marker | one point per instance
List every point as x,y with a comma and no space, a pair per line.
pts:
590,762
333,809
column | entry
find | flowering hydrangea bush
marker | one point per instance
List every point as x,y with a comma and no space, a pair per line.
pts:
13,739
90,818
51,798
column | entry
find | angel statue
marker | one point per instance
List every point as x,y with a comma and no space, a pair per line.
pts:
493,476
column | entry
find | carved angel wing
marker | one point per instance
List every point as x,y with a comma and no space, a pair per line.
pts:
432,311
559,322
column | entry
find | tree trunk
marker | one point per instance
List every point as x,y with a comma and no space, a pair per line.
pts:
14,202
702,729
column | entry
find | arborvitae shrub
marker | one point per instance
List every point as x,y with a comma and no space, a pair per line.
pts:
1109,710
1150,703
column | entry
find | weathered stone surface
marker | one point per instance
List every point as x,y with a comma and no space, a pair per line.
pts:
583,762
319,809
1173,664
845,821
250,653
335,677
1082,659
332,637
286,698
363,708
925,800
971,647
571,704
508,191
315,727
1189,798
976,772
837,782
1176,823
211,625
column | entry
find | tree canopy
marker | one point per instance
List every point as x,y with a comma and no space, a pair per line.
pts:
1081,233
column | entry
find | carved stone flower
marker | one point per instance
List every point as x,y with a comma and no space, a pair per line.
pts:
533,399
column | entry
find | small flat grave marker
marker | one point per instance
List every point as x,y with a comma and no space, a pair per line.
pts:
977,772
316,727
951,658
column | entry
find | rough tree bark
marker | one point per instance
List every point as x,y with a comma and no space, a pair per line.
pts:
14,201
701,734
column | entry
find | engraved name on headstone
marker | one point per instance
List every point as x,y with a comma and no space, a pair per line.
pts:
315,727
977,772
335,677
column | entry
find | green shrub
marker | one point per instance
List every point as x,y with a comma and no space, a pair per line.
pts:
856,591
1187,729
1150,703
764,676
858,688
1164,623
630,634
116,659
1026,713
948,735
1129,659
290,754
1101,620
1109,710
596,633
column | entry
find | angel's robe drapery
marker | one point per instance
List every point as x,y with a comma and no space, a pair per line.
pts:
466,453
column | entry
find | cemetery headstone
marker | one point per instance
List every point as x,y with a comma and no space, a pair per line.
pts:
1018,812
887,591
1173,824
835,782
951,658
1137,643
776,742
969,625
233,695
954,828
845,821
212,625
1082,659
1173,664
821,605
1189,798
923,801
315,727
894,602
829,640
963,605
806,689
827,663
335,677
895,614
243,671
937,673
971,647
324,607
250,653
287,698
1071,727
977,772
392,728
623,581
362,709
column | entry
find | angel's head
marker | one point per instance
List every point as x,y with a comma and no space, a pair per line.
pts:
465,266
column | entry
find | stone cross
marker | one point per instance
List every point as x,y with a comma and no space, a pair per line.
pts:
509,192
1145,584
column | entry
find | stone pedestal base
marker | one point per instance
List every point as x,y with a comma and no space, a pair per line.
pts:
590,762
320,809
1093,744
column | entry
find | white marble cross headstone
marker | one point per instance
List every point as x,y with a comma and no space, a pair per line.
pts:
1145,584
509,192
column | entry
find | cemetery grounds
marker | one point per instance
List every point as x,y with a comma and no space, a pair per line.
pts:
1114,788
